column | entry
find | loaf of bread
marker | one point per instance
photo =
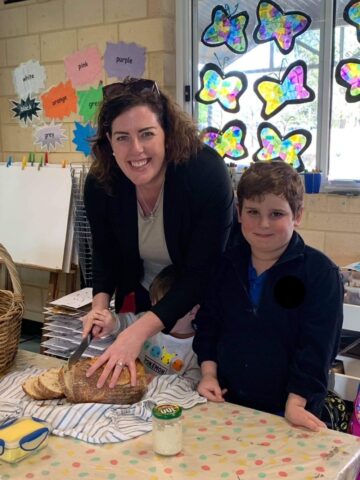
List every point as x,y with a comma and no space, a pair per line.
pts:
81,389
72,383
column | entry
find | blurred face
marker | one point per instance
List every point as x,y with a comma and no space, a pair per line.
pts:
268,225
138,143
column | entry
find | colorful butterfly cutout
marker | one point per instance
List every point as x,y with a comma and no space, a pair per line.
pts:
347,74
292,88
219,87
226,29
229,141
282,27
352,16
275,147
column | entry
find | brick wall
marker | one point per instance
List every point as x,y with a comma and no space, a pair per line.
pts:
48,31
331,223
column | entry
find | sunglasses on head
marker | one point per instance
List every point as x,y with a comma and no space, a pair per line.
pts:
133,85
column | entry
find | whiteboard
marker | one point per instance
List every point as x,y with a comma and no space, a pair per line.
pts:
34,214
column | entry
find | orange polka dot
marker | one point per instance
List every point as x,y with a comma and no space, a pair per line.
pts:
205,467
225,437
46,457
270,435
143,452
76,464
320,469
240,472
228,422
263,420
168,470
29,475
235,412
259,462
232,452
114,462
202,429
338,441
286,460
265,444
91,450
283,474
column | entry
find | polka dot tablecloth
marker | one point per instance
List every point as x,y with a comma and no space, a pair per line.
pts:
221,441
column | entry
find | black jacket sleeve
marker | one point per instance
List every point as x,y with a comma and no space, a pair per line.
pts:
207,186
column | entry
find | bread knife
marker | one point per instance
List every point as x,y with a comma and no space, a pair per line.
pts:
74,357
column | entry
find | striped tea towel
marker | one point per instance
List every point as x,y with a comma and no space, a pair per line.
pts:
95,422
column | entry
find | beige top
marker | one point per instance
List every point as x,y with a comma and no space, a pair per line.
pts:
152,243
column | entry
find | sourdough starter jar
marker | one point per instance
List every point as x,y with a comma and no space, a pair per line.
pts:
167,429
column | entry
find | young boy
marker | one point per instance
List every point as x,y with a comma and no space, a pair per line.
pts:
270,324
161,354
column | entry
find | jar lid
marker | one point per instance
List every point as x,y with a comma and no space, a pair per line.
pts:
166,412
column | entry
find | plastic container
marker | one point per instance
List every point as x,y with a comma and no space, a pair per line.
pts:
167,429
22,437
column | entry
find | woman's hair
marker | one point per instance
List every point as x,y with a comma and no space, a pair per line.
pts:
162,283
275,177
181,134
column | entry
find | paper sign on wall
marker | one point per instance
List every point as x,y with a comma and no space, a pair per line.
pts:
26,109
29,78
49,136
84,67
60,101
89,101
82,136
124,60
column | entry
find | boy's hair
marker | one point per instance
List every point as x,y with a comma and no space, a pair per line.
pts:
162,283
276,177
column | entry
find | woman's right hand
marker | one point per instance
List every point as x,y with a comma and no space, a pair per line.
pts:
100,322
99,304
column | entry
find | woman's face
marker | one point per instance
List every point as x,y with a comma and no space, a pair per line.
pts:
138,143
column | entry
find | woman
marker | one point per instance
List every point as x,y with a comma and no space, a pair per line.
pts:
155,195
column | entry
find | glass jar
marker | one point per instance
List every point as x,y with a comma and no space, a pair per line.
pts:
167,429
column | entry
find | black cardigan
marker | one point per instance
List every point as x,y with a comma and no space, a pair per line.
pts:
198,216
284,345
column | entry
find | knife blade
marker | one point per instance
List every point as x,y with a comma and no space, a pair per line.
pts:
74,357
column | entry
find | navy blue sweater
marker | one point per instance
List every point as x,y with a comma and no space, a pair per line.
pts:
284,345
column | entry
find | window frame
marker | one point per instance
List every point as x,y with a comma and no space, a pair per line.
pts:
186,48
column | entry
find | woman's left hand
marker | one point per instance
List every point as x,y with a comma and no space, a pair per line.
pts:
125,350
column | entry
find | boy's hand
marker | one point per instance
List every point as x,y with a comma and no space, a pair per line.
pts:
100,322
209,388
296,414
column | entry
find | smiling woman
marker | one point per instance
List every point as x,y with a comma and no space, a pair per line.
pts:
155,196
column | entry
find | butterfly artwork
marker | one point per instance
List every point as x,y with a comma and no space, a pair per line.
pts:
226,29
282,27
347,74
291,89
289,148
225,89
229,141
352,15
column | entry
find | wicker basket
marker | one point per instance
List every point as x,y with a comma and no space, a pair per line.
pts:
11,312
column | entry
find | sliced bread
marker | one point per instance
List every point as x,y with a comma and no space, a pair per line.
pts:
49,384
31,387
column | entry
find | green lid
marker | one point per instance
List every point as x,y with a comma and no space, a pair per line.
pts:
167,412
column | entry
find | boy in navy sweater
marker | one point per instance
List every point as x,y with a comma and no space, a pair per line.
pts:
270,324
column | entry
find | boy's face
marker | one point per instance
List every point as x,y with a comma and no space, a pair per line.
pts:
268,224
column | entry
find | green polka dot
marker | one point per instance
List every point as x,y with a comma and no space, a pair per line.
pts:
300,468
111,476
197,416
262,475
213,422
45,472
301,443
256,412
152,469
241,419
183,465
321,446
225,475
134,461
203,457
270,430
55,464
271,451
83,474
200,439
95,459
252,455
237,430
126,452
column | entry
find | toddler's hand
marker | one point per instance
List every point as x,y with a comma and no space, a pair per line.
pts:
209,388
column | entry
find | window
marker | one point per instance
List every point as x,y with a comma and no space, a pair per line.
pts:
331,124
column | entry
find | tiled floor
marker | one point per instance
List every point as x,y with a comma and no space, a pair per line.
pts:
30,336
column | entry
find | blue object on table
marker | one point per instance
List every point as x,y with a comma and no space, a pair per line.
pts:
312,182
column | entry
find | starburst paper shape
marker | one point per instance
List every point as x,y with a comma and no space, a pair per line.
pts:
82,137
26,109
49,136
